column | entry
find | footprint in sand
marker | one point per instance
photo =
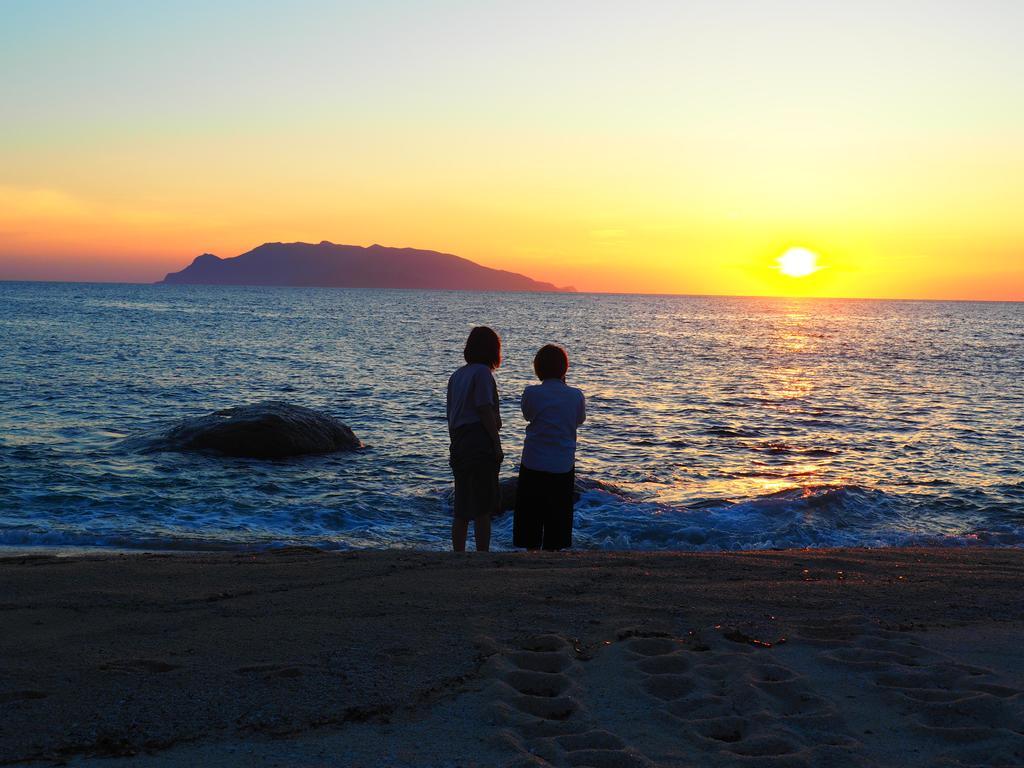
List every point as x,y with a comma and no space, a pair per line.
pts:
538,697
658,700
653,699
969,708
731,703
644,700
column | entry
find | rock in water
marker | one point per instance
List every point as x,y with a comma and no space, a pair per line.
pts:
267,430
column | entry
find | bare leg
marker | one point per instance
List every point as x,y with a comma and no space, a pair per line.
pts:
482,533
459,530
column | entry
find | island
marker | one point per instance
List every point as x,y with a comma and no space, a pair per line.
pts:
328,264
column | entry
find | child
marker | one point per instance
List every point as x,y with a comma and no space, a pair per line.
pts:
544,495
475,452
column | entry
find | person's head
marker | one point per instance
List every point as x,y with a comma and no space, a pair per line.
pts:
483,346
550,362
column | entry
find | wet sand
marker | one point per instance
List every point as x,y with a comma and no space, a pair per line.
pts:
293,658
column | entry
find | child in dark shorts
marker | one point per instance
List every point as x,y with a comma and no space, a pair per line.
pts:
544,494
475,452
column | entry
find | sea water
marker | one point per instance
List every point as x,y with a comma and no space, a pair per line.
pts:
713,423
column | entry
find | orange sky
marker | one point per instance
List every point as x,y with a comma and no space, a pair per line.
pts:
652,148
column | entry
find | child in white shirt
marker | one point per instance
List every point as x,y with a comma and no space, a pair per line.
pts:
544,494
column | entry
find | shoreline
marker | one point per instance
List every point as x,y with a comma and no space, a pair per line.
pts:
8,552
304,657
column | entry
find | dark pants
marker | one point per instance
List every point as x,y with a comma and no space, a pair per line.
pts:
543,516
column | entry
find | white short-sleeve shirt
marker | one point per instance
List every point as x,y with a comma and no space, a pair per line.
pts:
554,411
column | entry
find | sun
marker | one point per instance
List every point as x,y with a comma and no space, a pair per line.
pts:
798,262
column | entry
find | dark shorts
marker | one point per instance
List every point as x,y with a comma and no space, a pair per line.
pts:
543,517
475,466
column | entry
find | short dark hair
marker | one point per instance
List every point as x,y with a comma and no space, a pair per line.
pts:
483,346
551,362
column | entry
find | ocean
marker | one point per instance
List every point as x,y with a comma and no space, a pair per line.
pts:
713,423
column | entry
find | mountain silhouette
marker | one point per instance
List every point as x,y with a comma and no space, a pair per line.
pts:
351,266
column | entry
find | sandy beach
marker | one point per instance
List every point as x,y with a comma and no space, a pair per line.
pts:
297,657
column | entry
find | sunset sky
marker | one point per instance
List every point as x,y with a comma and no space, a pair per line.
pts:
666,147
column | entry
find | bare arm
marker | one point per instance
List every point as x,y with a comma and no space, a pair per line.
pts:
491,425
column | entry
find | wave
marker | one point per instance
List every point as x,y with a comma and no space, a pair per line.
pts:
786,449
805,517
608,517
731,432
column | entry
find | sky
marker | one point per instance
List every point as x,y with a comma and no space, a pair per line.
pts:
653,147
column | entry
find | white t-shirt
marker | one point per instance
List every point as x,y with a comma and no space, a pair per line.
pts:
470,387
554,410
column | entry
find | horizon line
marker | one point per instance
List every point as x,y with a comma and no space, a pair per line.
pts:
575,292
